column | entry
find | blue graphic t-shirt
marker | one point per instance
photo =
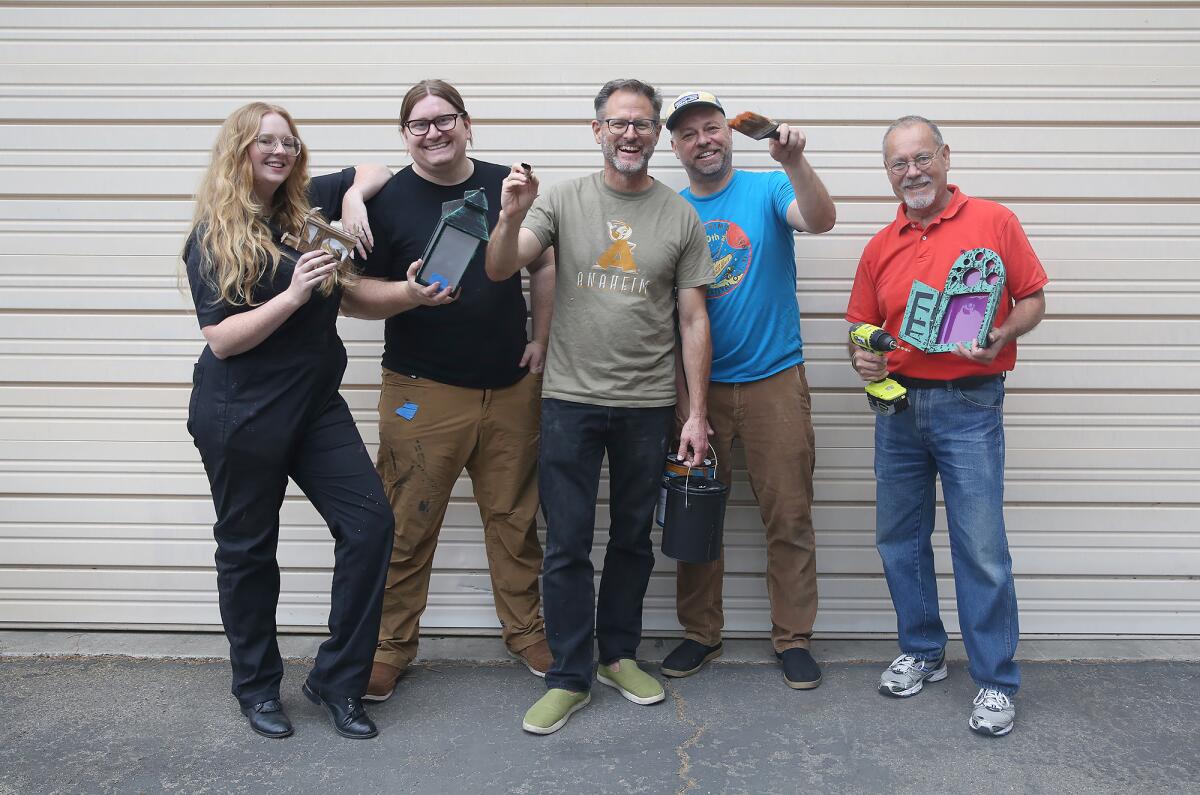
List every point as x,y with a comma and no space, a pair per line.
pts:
752,300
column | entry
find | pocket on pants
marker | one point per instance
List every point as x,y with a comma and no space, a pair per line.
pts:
399,380
988,395
194,401
396,390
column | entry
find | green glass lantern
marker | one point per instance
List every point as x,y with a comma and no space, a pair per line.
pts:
462,227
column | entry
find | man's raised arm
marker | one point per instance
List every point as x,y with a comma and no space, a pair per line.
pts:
510,247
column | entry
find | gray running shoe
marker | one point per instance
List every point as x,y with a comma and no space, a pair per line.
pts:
994,713
907,675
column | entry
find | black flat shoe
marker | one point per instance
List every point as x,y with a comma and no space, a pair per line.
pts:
347,713
689,657
800,670
269,719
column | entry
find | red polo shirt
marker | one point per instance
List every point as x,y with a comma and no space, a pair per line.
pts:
903,252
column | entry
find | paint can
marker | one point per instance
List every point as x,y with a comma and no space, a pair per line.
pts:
695,519
677,467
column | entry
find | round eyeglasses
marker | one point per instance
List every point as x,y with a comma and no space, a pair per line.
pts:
922,161
268,143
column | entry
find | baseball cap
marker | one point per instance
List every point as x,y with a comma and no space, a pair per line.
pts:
691,99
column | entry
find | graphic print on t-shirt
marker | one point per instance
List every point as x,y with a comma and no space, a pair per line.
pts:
617,257
731,254
620,253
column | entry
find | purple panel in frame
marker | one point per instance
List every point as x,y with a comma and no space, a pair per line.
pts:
963,318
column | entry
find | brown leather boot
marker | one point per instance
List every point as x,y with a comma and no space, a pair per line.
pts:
537,658
383,681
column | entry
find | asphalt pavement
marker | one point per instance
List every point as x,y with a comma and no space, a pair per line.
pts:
140,715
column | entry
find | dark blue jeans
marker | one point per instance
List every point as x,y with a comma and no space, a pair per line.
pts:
575,437
957,434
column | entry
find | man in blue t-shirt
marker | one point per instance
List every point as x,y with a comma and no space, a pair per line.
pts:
758,393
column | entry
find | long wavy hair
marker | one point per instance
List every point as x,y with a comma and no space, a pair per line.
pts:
237,243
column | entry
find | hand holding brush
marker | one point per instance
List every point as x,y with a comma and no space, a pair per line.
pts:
813,209
755,125
786,143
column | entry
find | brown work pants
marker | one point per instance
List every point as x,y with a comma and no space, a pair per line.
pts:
493,433
773,419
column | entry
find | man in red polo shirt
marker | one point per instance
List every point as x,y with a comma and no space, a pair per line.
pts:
954,428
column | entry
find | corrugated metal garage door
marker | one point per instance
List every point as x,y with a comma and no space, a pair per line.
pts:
1083,117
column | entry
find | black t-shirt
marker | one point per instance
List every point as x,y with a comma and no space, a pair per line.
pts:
314,321
475,342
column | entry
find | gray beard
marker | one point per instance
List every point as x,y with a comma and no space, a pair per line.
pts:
610,154
920,203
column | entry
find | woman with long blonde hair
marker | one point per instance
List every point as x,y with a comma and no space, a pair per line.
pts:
265,407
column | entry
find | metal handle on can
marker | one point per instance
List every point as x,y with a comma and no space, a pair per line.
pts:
716,466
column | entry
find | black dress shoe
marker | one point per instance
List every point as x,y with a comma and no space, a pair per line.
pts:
347,713
800,670
269,719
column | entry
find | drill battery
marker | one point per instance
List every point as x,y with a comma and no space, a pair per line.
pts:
887,397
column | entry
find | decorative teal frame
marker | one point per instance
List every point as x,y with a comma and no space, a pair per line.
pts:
963,311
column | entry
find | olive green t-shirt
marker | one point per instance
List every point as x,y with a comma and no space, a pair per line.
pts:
619,257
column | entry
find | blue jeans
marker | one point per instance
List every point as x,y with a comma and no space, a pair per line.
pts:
957,433
575,437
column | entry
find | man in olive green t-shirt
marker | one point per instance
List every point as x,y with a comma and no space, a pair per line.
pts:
630,253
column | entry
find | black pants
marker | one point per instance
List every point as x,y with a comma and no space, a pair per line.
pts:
575,437
254,428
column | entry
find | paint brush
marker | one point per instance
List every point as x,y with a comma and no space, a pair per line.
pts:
755,126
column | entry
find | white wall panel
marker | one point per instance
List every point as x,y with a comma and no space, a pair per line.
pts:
1082,116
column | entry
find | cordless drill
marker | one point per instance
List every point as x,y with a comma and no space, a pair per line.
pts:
885,396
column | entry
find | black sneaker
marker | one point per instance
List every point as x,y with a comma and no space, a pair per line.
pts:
800,670
689,657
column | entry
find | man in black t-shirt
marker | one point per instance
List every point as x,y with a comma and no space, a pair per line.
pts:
477,339
461,389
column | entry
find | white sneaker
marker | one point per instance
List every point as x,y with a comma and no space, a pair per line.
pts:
907,675
994,713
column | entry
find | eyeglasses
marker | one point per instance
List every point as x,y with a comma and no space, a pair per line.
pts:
268,143
922,162
445,123
640,126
